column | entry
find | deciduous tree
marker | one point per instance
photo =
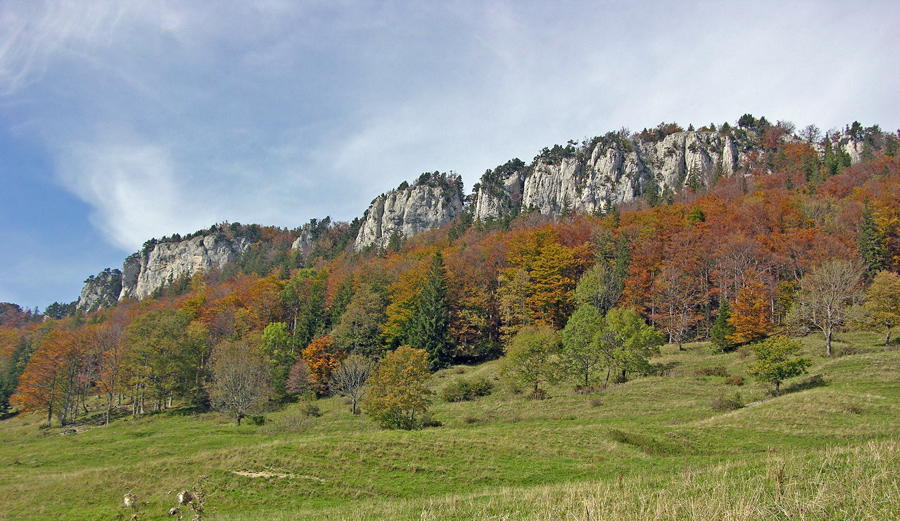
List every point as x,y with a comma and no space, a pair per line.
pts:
751,316
532,357
775,361
826,296
629,341
398,393
582,355
241,379
349,379
881,309
322,357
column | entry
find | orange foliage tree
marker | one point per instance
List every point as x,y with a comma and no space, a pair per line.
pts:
751,316
322,357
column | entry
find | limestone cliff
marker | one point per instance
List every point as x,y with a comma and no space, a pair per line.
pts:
101,291
607,170
432,201
155,267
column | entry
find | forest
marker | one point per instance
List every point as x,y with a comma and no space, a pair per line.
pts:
798,240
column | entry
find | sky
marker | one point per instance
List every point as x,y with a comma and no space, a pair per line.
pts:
124,121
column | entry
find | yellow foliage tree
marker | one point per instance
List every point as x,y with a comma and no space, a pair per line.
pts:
398,394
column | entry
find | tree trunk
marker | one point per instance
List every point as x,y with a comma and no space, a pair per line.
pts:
828,342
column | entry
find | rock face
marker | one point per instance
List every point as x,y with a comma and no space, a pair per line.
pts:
101,291
608,170
434,200
154,268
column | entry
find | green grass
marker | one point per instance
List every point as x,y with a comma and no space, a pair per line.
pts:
652,448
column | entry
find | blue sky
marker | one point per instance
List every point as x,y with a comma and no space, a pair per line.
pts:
122,121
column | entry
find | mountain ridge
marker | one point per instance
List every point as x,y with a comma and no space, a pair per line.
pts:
588,177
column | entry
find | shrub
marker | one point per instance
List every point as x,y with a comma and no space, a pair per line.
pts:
427,421
467,390
311,410
727,403
713,371
538,394
735,380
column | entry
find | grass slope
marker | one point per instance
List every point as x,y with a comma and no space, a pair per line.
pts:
652,448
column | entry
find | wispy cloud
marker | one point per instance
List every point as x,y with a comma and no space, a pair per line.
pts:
165,116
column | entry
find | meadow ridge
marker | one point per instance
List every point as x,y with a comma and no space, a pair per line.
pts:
669,445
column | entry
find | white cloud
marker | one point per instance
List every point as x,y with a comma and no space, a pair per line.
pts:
277,112
133,189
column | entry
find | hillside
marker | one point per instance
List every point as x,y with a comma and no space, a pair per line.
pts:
625,307
652,448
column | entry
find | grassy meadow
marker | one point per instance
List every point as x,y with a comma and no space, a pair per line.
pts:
667,446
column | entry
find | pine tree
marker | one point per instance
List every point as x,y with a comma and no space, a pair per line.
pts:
430,324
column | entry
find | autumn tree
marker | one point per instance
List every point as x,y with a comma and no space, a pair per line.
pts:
110,359
429,327
826,296
322,357
881,309
398,393
676,296
751,315
531,357
241,379
165,354
299,382
404,298
513,302
553,279
553,270
349,379
39,385
775,361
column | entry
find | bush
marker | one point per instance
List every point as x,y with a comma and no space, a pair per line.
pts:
467,390
427,421
538,394
735,380
311,410
727,403
713,371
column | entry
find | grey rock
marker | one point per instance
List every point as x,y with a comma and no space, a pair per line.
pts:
431,202
144,273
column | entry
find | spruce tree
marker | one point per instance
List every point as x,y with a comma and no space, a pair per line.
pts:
871,248
430,324
722,329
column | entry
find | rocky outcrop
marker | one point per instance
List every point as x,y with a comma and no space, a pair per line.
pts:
434,200
164,262
608,170
101,291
